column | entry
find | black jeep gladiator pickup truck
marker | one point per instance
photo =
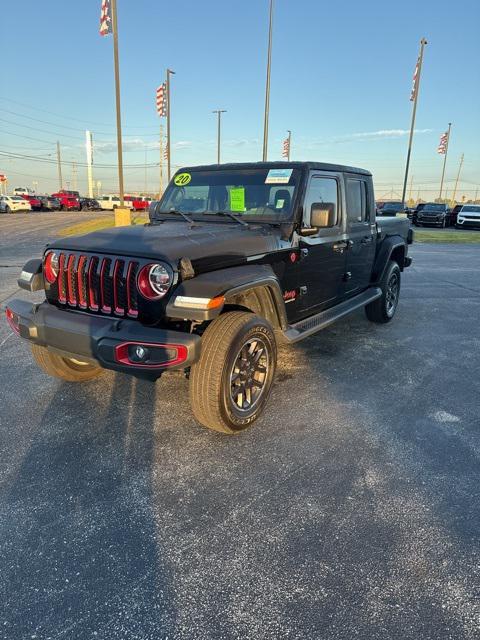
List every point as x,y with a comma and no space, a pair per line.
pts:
235,258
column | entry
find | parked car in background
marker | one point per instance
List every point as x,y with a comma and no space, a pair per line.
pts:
49,203
109,203
434,214
23,191
68,192
89,204
454,213
139,203
468,216
35,202
11,204
392,208
68,203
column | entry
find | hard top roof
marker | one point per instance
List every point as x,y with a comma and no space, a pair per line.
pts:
309,165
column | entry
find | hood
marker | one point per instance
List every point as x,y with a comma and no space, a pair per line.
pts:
207,245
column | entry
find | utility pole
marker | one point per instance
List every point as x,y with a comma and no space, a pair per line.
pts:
117,102
169,123
445,160
59,164
219,119
458,177
415,92
267,87
476,195
411,187
89,149
161,162
74,176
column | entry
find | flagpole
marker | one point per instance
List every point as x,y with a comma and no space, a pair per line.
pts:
219,127
423,42
169,159
117,102
458,178
445,160
161,161
267,87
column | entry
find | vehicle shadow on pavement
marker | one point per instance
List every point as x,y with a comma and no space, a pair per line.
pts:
85,559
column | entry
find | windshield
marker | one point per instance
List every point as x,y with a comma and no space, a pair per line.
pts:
434,207
472,209
393,206
261,195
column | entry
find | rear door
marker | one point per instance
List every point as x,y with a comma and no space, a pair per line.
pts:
323,268
361,230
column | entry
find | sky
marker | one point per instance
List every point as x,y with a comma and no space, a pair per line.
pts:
341,81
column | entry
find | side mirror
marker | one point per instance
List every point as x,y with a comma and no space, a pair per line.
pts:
323,215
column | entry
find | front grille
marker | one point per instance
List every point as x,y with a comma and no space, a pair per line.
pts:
95,283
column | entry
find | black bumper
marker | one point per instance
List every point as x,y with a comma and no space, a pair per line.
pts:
104,340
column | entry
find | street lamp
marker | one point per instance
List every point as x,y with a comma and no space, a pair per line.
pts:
219,114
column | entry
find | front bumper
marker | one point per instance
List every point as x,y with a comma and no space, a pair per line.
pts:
107,341
427,220
469,222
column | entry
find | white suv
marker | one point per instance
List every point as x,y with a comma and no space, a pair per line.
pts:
10,204
112,202
468,216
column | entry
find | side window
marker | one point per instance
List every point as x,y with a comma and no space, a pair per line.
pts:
356,200
322,189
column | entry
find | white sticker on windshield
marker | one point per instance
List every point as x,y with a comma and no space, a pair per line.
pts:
278,176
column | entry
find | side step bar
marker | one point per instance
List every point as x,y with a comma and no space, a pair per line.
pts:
312,324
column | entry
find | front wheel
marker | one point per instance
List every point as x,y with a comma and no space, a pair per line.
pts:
230,384
69,369
7,209
383,309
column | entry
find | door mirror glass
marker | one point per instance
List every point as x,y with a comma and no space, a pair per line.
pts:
323,215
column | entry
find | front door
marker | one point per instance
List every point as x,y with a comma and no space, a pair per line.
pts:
361,229
322,269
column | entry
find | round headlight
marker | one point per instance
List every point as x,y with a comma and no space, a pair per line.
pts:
154,281
50,267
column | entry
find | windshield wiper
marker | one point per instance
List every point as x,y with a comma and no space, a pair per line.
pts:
175,212
227,214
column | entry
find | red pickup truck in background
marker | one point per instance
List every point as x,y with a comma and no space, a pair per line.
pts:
68,202
139,203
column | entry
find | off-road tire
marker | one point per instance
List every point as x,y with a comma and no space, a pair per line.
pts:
211,377
380,310
64,368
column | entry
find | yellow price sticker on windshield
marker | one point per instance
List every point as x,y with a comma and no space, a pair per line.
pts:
182,179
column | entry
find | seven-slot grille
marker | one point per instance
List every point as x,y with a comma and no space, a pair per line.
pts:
96,283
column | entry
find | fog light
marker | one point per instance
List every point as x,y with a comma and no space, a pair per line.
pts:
140,352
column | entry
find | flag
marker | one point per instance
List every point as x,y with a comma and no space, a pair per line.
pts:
165,153
162,100
413,93
106,26
286,148
442,146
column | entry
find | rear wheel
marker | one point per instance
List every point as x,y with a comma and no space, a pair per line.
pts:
69,369
230,384
383,309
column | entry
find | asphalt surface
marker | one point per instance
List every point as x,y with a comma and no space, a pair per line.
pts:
350,510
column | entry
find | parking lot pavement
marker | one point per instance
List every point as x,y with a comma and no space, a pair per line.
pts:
349,511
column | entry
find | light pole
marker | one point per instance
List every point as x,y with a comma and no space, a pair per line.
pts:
219,119
267,87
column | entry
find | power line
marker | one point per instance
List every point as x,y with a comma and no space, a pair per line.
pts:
52,113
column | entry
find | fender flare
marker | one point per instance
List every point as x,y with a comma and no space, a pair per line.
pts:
237,285
388,246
